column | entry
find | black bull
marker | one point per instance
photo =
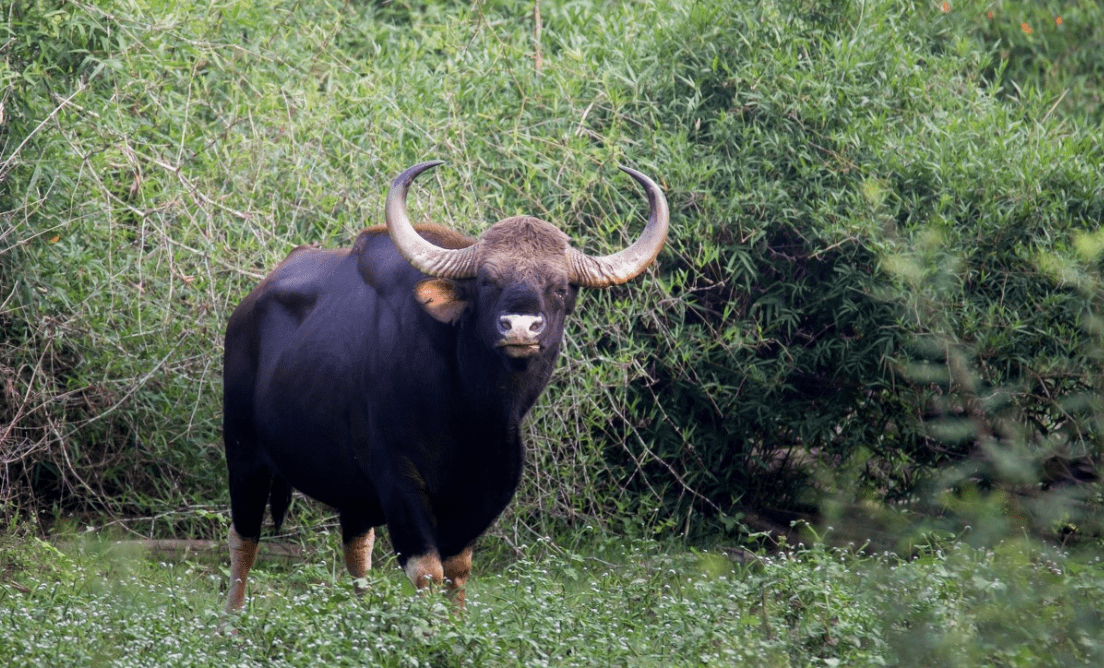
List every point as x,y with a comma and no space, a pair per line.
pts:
389,380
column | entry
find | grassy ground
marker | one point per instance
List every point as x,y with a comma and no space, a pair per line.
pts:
604,602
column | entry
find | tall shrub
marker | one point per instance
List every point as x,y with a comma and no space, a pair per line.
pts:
859,213
863,210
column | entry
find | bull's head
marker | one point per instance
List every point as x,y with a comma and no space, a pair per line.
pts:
521,277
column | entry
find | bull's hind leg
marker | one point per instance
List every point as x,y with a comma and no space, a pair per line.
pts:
248,494
358,540
243,552
358,554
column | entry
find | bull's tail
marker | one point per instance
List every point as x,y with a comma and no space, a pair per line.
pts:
279,498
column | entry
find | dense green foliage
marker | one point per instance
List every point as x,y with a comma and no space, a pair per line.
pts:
881,280
608,603
881,297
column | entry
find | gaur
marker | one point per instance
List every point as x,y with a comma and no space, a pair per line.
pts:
389,380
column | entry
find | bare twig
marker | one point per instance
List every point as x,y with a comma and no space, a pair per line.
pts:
6,166
1055,105
20,411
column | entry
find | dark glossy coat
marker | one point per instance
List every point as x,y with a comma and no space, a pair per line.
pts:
338,384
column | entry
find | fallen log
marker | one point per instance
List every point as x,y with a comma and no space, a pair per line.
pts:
175,549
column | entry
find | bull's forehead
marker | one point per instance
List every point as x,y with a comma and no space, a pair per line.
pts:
524,246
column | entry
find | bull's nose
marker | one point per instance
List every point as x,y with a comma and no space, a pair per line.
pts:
520,327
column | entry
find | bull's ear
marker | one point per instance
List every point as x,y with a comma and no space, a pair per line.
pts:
441,298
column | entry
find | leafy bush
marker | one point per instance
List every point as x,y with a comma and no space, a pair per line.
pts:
859,205
873,270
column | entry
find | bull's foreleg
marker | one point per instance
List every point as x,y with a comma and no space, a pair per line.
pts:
457,569
428,571
425,570
411,526
243,552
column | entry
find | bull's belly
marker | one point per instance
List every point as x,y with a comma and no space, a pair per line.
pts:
460,512
323,472
328,454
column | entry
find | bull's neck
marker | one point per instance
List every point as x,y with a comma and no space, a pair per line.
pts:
499,391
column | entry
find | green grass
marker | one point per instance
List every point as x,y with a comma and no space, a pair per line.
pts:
603,603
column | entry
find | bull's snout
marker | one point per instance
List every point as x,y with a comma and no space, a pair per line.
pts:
519,334
520,326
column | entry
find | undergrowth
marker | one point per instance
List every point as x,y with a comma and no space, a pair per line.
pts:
612,603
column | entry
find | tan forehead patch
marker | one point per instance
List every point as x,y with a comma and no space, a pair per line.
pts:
523,243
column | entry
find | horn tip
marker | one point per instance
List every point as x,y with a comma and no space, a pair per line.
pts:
404,180
640,177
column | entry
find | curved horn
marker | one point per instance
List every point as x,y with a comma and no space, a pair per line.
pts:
424,256
625,265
